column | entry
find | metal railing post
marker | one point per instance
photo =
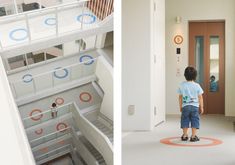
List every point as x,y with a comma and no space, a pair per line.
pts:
57,22
53,82
34,85
26,60
102,10
1,45
28,28
107,8
40,4
83,6
45,57
70,76
16,7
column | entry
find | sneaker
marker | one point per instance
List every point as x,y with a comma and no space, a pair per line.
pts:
194,139
184,138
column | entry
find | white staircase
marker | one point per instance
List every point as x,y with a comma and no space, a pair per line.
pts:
103,128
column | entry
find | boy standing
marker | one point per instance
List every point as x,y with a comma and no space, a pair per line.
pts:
190,101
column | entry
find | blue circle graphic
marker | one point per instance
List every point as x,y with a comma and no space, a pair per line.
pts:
21,30
27,78
90,59
50,21
81,19
66,73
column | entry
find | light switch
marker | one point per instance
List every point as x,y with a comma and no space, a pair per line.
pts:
178,50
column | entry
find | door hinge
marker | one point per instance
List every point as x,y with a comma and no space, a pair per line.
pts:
155,110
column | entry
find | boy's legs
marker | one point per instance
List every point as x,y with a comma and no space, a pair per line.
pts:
195,123
194,132
185,131
185,120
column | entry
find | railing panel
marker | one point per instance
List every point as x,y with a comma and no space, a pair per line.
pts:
43,82
52,21
48,137
76,72
30,84
24,88
67,18
57,151
14,32
45,116
45,24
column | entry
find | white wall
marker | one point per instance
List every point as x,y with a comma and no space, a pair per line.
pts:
104,72
158,62
143,64
136,64
198,10
15,148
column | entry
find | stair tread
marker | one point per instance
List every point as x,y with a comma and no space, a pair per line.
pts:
92,150
103,128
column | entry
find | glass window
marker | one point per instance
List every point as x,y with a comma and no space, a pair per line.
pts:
199,58
214,63
35,57
17,62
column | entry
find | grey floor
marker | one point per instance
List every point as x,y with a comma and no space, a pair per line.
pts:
144,148
71,95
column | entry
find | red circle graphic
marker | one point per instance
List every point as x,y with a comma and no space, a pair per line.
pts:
61,127
38,117
45,149
39,131
85,97
213,142
61,142
59,101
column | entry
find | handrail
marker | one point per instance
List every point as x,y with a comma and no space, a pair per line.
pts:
53,133
68,145
44,112
52,71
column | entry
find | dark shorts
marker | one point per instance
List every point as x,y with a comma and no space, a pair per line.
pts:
190,115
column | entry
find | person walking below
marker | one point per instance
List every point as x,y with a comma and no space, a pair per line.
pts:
53,110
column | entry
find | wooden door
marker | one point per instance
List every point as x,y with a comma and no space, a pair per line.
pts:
206,54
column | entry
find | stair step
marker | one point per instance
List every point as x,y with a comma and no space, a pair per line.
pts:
103,128
92,150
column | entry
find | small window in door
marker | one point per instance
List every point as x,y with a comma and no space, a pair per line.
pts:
214,64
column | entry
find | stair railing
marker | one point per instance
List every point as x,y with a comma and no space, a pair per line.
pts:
31,84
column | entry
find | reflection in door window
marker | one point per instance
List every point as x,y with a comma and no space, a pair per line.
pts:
214,63
199,58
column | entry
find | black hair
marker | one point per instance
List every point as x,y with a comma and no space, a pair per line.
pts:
53,105
212,77
190,73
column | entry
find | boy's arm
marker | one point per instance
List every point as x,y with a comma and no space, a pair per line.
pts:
200,98
180,102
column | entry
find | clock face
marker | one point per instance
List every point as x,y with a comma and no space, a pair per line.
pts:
178,39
